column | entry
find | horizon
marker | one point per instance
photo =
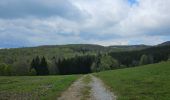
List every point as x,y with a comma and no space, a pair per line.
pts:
82,44
32,23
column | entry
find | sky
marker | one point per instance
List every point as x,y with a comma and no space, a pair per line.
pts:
25,23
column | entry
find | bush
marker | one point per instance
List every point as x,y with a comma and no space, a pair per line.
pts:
33,72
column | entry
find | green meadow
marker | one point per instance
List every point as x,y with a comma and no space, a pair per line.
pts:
150,82
34,87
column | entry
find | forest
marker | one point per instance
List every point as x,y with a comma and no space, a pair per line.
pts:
77,59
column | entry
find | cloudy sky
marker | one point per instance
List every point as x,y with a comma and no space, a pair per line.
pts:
105,22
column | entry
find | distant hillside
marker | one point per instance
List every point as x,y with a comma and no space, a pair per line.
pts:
130,58
77,47
130,47
19,60
165,43
99,48
49,51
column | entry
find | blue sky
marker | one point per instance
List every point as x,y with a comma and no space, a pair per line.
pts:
132,1
105,22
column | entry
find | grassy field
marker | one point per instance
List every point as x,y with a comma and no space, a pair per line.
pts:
150,82
34,87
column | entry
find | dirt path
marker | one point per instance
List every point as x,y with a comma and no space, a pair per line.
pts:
74,91
99,91
88,87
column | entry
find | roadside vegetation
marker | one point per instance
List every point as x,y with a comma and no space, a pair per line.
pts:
149,82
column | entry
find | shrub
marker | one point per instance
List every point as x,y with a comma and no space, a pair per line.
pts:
33,72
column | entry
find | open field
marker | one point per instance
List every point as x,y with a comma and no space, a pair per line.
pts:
34,87
150,82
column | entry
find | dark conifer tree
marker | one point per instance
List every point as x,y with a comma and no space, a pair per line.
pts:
40,66
44,67
37,65
32,64
32,67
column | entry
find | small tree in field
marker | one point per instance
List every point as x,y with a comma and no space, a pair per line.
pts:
146,60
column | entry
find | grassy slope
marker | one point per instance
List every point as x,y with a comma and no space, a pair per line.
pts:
150,82
35,87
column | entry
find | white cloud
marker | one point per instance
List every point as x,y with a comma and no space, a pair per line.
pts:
102,14
105,22
147,17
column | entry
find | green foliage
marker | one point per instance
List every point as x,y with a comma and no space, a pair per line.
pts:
3,68
44,66
108,63
53,68
18,60
169,58
20,68
131,58
33,72
36,63
146,60
40,66
149,82
76,65
95,65
8,71
104,62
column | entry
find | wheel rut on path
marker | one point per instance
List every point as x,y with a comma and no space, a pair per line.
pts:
94,89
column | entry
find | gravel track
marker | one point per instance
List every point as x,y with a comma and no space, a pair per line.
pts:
98,91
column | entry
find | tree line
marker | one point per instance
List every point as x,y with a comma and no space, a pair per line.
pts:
133,58
82,64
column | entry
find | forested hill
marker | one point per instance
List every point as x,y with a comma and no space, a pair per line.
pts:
61,51
165,43
130,47
132,58
66,59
